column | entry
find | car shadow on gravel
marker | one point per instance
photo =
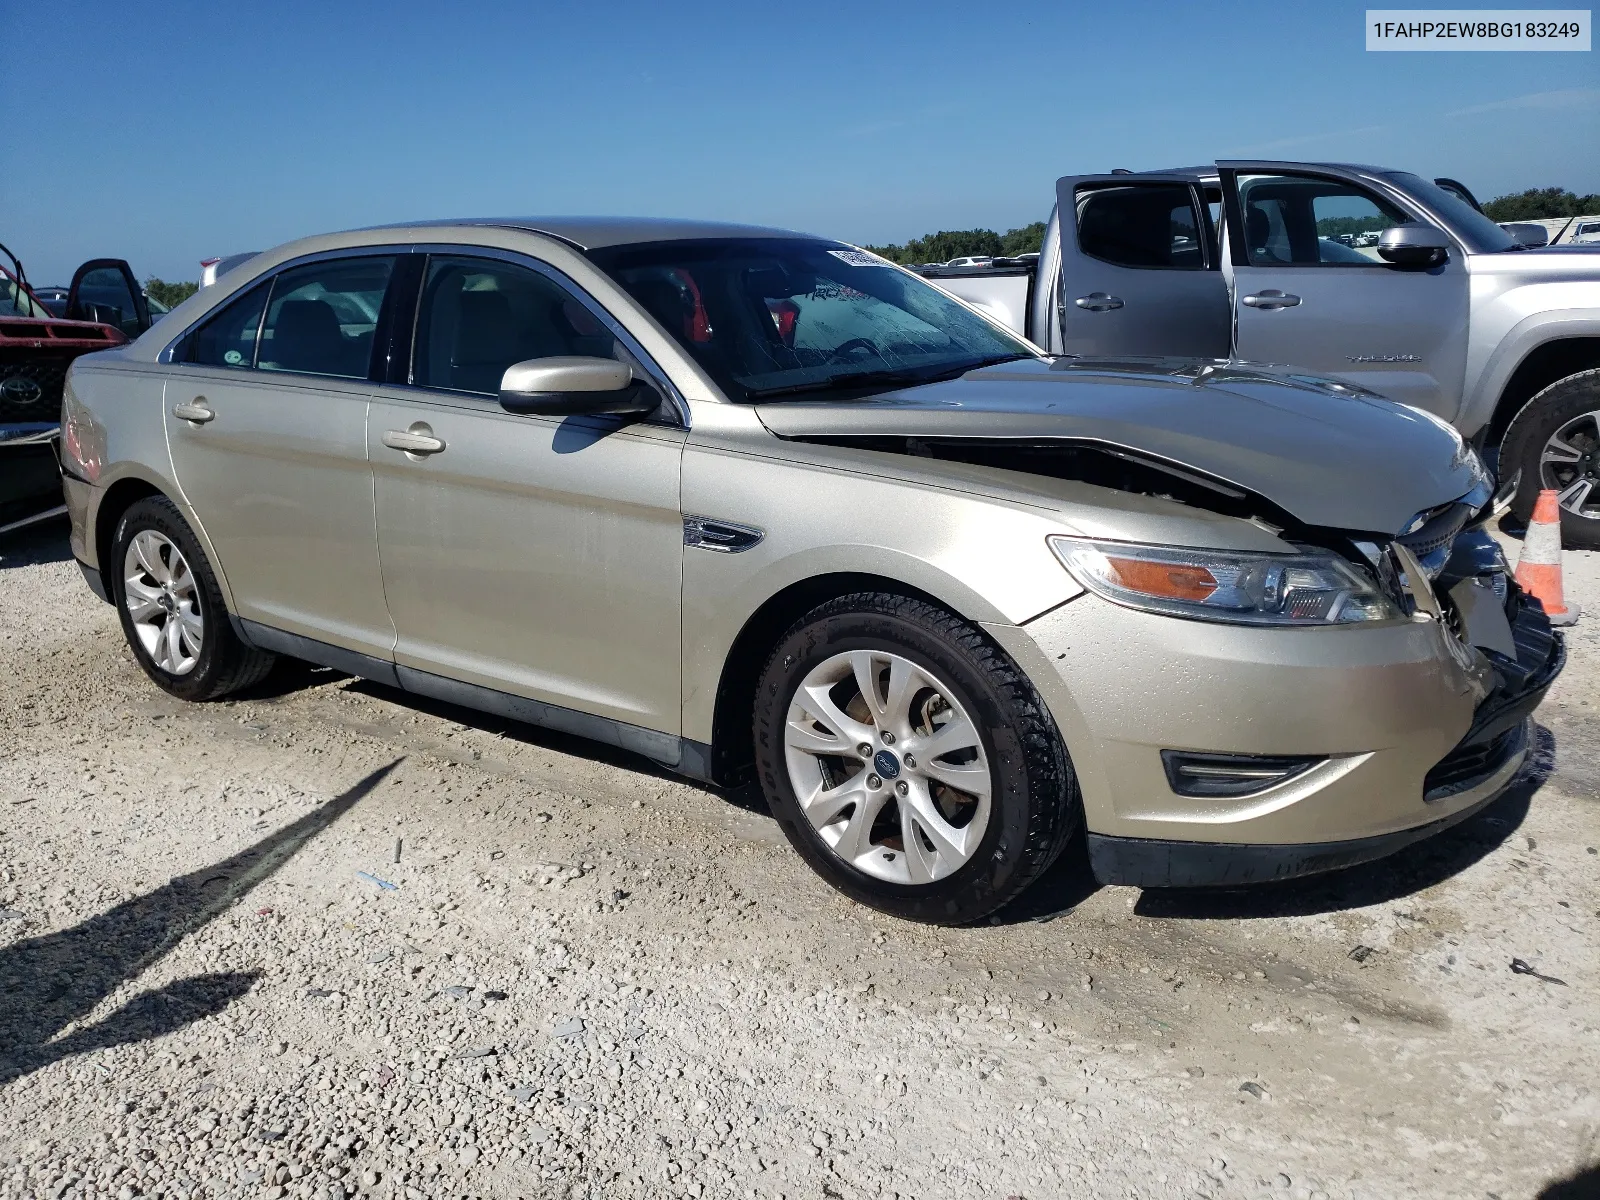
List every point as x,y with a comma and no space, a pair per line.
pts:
1419,866
49,982
36,545
1581,1185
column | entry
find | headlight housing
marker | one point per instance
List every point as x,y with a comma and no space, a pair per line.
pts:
1233,587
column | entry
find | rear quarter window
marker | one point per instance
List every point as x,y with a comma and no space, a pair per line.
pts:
228,338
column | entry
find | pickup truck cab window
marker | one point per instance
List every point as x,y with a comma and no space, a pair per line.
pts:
479,316
321,317
767,317
1306,220
15,300
1142,225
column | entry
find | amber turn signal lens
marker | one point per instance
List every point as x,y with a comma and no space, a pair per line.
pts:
1171,581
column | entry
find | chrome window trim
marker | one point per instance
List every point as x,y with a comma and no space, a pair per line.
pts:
658,377
517,258
271,276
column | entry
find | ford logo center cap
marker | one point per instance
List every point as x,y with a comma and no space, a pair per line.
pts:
888,765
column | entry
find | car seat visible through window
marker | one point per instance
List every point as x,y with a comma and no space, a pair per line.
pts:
306,337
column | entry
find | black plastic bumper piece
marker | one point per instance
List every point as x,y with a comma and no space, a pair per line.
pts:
94,579
1150,863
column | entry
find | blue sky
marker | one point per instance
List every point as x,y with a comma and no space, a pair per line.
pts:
167,133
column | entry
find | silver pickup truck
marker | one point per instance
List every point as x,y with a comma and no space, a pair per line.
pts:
1377,277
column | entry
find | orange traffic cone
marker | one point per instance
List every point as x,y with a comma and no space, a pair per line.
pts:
1539,565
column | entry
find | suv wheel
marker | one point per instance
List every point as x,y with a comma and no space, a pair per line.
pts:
171,608
1555,442
909,760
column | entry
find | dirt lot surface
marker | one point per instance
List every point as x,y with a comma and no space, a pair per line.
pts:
582,977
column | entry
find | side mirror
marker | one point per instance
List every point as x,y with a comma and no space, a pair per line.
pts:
1534,237
573,386
1414,246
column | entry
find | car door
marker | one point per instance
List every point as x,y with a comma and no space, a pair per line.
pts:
533,555
266,419
1138,268
1304,298
105,290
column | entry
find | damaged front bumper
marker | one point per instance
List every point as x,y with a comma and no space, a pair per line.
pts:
1473,775
1381,736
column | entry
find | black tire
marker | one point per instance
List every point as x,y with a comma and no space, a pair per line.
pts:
1036,806
224,663
1532,428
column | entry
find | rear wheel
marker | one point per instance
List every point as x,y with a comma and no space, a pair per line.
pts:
171,607
1555,442
909,760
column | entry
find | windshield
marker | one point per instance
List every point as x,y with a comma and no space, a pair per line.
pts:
1481,235
15,300
783,316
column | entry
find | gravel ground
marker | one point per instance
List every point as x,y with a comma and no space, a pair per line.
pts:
326,940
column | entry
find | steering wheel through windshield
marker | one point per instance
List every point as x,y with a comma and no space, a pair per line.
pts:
840,351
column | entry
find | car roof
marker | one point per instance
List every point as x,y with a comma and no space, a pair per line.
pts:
593,233
1208,171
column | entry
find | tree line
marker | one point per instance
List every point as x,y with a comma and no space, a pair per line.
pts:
1531,205
961,243
1537,203
170,294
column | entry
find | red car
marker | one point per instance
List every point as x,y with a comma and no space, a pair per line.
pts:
105,307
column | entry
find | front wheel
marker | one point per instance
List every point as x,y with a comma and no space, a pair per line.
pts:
1555,442
909,761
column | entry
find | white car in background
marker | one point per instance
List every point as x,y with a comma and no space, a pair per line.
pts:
212,269
1587,232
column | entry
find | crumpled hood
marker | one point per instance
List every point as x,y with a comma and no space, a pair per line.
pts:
1328,453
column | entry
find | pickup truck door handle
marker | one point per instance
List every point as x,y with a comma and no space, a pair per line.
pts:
1271,298
197,411
418,439
1098,302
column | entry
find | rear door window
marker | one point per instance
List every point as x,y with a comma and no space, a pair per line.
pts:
1142,225
321,317
479,316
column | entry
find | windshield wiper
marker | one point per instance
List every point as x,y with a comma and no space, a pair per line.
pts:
846,380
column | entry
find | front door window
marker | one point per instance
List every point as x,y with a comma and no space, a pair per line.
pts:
480,316
1303,220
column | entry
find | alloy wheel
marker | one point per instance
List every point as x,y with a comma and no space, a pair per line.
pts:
1570,463
888,767
162,599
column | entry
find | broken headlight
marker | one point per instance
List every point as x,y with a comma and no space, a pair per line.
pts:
1226,585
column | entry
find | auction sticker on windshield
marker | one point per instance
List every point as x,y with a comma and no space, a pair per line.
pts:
859,258
1478,28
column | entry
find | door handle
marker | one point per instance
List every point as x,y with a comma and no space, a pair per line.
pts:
418,439
1098,302
196,411
1271,298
